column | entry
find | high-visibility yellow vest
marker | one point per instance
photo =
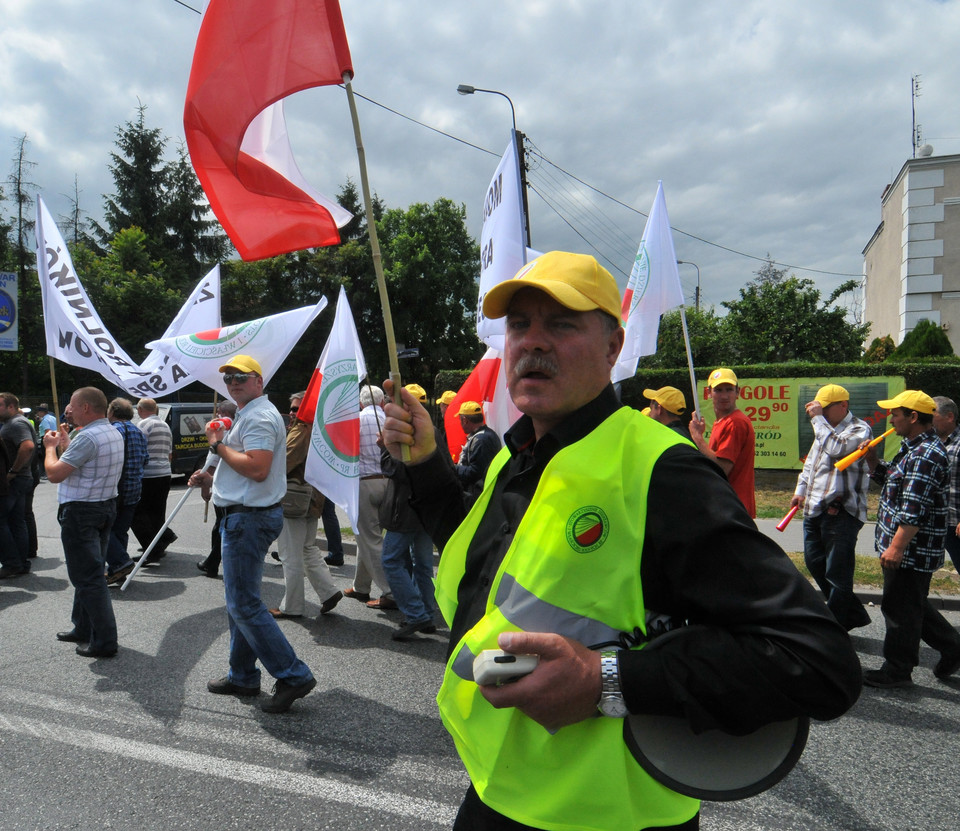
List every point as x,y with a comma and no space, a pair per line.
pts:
573,568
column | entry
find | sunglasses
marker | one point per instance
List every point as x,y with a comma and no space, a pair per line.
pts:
294,409
237,377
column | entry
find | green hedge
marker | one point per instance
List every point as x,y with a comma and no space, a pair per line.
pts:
935,376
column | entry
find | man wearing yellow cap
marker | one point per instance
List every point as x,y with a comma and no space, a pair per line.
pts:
834,501
591,516
667,404
482,445
732,438
911,525
443,403
249,481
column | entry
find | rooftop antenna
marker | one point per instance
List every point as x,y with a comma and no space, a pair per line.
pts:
917,128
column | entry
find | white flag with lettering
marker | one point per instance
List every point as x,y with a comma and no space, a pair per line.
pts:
76,335
503,242
653,288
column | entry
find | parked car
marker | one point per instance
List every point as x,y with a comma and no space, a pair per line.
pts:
187,422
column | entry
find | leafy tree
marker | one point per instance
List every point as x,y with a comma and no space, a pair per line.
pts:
708,340
164,199
131,298
879,350
141,178
781,319
21,256
925,340
431,263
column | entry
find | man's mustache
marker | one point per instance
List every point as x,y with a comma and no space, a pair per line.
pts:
535,363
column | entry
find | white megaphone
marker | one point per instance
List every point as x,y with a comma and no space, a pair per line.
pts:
713,765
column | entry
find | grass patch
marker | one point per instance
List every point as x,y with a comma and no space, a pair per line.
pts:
773,501
867,572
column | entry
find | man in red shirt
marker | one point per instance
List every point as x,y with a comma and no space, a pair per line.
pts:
732,438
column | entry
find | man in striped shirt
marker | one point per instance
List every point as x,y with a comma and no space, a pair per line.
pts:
834,502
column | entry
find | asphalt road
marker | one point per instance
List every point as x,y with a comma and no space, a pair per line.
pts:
137,742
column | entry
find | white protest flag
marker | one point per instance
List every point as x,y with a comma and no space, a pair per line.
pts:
333,460
76,335
267,339
503,242
200,312
653,288
74,332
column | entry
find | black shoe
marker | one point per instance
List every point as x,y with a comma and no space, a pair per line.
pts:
947,666
330,560
88,651
224,686
408,629
285,694
73,636
329,604
9,571
275,555
880,679
208,568
119,574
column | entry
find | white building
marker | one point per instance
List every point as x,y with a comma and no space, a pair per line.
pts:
911,265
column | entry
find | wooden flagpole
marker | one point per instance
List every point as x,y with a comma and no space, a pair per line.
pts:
693,377
56,401
375,248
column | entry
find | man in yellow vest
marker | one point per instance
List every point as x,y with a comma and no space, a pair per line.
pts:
592,520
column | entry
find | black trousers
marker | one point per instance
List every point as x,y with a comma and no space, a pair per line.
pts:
151,513
474,815
910,618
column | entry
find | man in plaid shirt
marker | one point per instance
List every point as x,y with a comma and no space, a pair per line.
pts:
834,502
911,525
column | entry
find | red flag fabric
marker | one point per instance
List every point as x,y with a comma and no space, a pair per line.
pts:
481,387
249,56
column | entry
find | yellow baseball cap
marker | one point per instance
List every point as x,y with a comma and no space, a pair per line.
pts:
447,397
645,411
469,408
576,281
416,391
831,394
722,375
912,400
244,363
670,398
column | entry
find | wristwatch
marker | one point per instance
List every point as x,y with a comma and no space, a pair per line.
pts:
611,696
215,448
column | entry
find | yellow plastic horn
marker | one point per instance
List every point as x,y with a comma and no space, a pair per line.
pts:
846,461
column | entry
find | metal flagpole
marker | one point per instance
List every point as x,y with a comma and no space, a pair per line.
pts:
149,548
375,247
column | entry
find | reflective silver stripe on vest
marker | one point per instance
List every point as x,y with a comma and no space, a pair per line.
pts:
529,613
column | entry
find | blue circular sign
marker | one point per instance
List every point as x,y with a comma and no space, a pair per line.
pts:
8,311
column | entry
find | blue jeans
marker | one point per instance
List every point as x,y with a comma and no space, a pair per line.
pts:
829,551
408,564
245,537
117,556
14,540
84,531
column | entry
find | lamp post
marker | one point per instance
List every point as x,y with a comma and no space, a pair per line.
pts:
467,89
696,296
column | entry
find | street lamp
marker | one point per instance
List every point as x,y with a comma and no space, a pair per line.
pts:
466,89
696,296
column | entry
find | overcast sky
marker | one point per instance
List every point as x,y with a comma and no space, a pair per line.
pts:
774,126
